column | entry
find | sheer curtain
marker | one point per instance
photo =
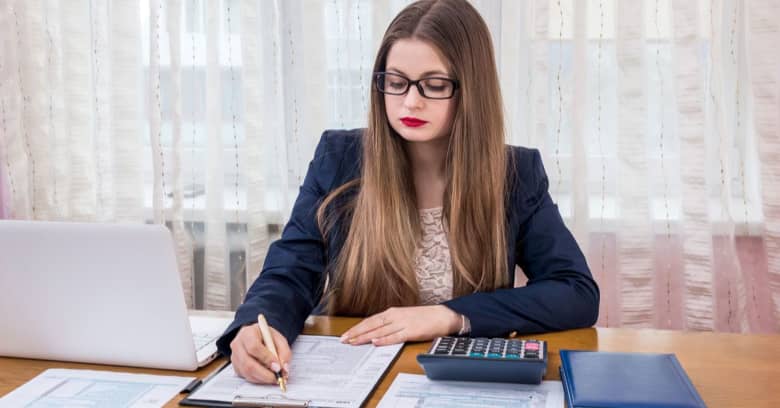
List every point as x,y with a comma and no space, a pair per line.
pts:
657,120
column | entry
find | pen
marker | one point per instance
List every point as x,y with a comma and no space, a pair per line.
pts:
192,386
269,342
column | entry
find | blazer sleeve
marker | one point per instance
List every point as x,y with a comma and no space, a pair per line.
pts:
290,284
560,293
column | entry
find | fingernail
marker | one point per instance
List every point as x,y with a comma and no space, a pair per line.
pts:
343,338
287,368
275,367
374,341
352,340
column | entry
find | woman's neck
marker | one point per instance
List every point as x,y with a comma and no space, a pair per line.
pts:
428,171
428,158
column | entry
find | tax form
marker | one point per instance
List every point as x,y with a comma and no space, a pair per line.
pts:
59,387
323,371
411,390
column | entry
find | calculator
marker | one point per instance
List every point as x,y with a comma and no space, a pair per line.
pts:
484,359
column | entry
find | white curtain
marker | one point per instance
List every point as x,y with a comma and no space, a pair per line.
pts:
657,120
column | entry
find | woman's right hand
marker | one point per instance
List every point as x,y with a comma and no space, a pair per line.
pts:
253,361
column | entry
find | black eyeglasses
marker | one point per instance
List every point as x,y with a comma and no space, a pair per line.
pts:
430,87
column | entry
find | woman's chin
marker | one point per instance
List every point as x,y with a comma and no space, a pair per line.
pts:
418,135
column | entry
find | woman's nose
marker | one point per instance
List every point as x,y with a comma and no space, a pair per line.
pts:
413,99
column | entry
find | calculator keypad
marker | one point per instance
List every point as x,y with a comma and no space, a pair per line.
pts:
483,347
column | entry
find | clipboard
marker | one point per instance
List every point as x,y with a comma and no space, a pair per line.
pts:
252,402
244,401
277,402
276,399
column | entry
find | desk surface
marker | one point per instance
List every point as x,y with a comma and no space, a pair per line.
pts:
729,370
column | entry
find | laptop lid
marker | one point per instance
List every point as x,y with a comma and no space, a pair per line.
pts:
89,292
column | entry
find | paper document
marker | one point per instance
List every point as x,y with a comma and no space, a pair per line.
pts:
410,390
85,388
323,371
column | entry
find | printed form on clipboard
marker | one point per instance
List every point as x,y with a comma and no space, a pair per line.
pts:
323,373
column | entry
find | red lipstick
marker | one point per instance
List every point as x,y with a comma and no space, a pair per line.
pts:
412,122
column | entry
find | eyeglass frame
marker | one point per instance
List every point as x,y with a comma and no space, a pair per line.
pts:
416,83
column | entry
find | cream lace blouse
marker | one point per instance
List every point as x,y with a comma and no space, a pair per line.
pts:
432,261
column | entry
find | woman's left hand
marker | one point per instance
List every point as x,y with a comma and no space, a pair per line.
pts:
402,324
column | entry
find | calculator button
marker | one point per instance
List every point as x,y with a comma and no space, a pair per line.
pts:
512,356
494,355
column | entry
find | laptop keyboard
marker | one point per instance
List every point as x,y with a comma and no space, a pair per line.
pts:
202,339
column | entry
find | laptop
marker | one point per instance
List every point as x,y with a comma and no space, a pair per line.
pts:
98,293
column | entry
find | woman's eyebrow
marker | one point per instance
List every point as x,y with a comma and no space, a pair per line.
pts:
424,74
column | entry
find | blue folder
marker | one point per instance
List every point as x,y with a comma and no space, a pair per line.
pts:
595,379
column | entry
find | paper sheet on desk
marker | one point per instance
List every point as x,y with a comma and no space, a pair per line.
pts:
86,388
323,371
410,390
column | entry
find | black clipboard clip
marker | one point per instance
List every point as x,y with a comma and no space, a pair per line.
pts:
269,401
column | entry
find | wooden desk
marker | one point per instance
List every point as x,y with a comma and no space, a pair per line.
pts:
729,370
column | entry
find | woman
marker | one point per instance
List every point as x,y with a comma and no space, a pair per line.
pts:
418,221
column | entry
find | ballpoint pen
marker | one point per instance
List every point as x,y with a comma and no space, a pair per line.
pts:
269,343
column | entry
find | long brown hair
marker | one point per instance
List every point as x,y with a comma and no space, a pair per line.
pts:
375,268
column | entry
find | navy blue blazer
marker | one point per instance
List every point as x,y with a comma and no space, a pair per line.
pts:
560,293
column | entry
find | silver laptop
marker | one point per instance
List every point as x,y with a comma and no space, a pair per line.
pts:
98,293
